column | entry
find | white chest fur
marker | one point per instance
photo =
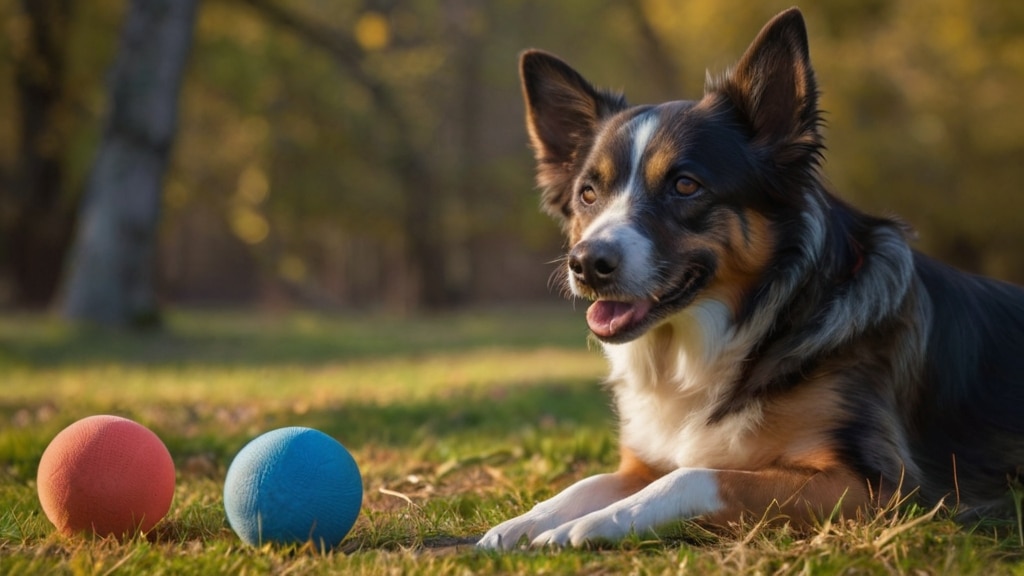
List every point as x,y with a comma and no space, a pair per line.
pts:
668,383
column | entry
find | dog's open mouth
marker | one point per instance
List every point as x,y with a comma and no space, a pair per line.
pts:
621,320
607,318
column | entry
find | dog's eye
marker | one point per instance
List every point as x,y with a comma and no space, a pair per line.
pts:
588,195
686,186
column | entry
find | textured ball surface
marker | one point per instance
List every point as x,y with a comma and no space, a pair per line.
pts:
105,475
293,485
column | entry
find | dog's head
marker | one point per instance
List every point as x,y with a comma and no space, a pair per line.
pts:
665,204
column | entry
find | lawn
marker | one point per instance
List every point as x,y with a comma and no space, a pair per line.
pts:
457,422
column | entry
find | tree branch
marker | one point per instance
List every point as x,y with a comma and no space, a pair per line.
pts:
422,212
666,72
345,51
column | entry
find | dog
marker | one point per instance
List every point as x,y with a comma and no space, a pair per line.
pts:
773,350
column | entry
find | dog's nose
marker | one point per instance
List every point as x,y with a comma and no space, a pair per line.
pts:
594,263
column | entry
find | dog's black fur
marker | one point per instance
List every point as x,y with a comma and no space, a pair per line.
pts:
735,292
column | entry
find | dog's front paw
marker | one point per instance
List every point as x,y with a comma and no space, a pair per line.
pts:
509,534
578,500
590,529
504,536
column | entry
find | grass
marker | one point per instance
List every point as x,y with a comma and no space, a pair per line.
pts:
457,422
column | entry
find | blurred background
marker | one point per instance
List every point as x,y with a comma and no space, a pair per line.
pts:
370,155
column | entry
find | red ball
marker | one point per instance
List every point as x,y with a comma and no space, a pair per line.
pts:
106,475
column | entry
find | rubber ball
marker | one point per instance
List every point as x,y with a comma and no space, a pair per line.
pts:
105,475
291,486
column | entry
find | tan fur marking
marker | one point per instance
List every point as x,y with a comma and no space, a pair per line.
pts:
606,168
795,426
801,496
635,470
575,230
805,477
743,259
658,164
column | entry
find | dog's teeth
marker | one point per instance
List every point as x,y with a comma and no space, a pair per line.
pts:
655,299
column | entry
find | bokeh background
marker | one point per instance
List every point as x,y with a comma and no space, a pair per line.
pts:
370,155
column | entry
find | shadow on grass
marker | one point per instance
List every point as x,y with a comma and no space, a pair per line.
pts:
479,418
205,338
436,427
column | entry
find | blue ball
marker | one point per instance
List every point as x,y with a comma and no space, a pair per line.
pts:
291,486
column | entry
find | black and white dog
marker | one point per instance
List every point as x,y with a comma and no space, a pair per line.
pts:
773,350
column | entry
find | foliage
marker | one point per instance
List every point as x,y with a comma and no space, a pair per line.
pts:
350,172
457,422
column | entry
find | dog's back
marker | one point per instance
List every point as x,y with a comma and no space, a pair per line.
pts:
967,421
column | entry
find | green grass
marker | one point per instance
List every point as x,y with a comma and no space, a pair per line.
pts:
457,422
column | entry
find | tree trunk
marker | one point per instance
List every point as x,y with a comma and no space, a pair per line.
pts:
424,236
466,19
36,217
111,272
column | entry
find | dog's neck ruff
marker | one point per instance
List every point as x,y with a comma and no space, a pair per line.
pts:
707,333
672,380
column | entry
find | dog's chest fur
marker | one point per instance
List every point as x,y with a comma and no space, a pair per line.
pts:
668,383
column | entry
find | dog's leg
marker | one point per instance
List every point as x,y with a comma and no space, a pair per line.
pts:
719,496
580,499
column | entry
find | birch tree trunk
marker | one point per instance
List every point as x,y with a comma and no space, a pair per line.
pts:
110,276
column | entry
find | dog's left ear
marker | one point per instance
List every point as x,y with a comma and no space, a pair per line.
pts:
774,89
563,112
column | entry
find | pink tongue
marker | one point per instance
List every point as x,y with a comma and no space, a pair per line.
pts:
606,317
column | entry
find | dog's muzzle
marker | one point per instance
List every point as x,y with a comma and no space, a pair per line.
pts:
594,265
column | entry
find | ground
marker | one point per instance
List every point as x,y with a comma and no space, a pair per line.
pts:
457,422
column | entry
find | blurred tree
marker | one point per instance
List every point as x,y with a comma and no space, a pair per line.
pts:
35,216
111,272
417,178
370,154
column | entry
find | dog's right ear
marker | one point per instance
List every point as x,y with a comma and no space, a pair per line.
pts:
562,115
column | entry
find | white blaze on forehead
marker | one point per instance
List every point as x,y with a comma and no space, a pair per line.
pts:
639,130
642,129
614,223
